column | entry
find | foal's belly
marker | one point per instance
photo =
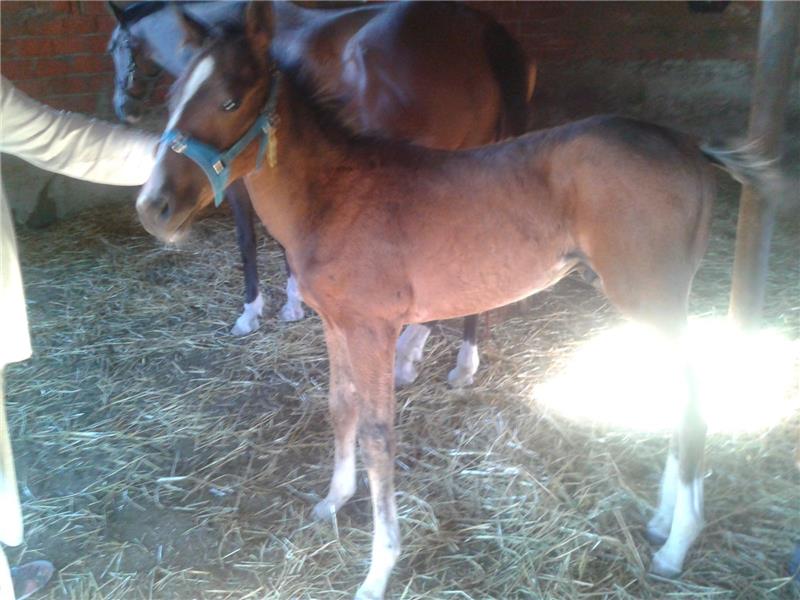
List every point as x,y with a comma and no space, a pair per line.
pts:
449,293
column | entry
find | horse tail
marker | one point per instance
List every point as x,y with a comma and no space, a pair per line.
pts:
511,70
750,168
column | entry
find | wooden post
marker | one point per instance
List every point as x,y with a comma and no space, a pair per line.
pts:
777,41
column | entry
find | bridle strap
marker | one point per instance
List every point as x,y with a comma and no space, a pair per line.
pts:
139,10
216,164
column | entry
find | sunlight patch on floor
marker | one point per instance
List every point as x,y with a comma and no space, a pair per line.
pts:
625,377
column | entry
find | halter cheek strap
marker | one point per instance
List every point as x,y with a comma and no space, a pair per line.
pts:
216,164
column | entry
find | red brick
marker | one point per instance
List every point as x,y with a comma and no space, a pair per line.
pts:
105,23
94,8
92,63
14,7
55,46
72,84
35,68
64,6
62,25
18,69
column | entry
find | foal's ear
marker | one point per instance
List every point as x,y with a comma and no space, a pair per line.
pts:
258,23
195,33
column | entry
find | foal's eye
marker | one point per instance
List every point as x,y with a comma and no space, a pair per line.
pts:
230,105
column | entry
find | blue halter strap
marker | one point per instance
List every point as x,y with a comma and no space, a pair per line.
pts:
216,164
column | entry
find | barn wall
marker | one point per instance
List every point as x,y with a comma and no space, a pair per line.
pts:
653,59
656,60
55,52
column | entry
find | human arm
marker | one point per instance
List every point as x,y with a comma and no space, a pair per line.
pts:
73,144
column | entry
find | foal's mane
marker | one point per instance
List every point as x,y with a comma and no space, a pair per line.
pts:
327,107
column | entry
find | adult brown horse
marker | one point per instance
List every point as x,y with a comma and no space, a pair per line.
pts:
381,234
442,75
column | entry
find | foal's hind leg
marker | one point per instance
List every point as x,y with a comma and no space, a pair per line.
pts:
660,299
245,234
681,489
293,309
467,361
344,411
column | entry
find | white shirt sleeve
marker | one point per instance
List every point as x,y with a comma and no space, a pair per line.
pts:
73,144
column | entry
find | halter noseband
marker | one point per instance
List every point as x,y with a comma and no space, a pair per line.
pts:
215,163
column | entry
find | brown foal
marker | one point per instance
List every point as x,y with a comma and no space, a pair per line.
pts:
382,234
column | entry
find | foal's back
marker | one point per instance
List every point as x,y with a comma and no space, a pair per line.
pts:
629,199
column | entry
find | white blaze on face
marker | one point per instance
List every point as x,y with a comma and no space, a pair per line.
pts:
199,75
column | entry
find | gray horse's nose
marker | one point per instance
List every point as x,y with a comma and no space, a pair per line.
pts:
129,110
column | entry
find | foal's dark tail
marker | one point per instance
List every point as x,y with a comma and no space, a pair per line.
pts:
748,167
511,70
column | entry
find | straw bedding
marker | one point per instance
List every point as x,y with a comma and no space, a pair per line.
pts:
159,457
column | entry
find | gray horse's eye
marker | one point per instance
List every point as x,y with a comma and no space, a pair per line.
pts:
230,105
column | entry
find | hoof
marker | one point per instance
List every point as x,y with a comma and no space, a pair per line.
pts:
656,533
245,325
248,320
30,578
324,510
664,567
365,594
291,312
460,379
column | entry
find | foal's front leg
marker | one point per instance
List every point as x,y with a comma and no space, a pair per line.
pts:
242,209
371,349
343,404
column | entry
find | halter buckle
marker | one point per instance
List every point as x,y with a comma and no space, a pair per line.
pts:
179,145
218,167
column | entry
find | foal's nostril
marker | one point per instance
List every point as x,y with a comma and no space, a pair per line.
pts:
156,209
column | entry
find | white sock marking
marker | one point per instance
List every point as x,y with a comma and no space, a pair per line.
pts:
409,349
466,365
248,320
343,486
385,550
687,523
661,523
293,309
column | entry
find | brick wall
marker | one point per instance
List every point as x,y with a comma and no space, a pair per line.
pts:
56,52
629,31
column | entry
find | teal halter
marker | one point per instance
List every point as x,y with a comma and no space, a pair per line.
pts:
216,164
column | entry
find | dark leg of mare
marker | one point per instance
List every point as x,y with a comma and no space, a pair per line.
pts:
245,235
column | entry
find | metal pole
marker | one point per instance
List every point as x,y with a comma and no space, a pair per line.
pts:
777,40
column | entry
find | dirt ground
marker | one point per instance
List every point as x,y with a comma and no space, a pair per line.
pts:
159,457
